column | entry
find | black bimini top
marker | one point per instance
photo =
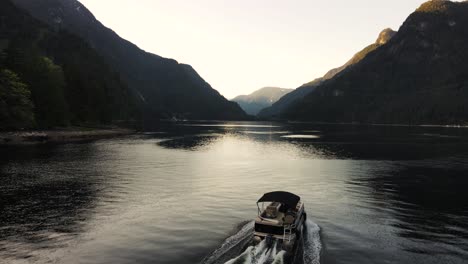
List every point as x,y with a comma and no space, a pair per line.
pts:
286,198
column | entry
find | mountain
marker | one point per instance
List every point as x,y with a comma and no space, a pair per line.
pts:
164,87
419,77
256,101
277,109
53,78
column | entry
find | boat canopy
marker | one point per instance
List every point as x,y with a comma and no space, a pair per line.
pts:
286,198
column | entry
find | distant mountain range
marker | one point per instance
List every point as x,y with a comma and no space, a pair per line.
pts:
60,66
163,87
260,99
278,108
420,76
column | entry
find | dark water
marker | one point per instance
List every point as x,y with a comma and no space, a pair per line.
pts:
377,194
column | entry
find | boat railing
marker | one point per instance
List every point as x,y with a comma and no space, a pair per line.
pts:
288,230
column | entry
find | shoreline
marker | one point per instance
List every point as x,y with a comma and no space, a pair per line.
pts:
378,124
71,135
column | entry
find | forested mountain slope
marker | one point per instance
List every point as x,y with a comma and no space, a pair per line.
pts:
419,77
278,108
52,78
164,87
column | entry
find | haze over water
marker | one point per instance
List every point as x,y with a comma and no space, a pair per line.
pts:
379,194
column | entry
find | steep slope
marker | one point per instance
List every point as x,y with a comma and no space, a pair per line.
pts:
277,109
260,99
419,76
165,87
54,78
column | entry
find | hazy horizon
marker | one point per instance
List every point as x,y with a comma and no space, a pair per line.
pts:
239,47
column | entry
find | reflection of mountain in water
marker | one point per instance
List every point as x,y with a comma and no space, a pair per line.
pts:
331,141
133,199
43,203
430,205
189,142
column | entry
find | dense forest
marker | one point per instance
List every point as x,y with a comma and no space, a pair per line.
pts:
51,78
419,77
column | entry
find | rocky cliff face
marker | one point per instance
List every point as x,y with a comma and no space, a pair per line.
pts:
385,36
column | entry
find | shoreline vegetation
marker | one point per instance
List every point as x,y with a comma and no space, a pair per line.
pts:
64,135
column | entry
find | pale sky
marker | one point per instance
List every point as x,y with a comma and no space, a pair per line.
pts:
239,46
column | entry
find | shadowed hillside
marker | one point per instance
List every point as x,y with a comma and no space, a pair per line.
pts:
52,78
164,87
420,76
276,111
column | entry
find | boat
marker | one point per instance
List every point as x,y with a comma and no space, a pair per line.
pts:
280,220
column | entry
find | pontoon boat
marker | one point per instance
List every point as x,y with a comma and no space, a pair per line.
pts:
280,220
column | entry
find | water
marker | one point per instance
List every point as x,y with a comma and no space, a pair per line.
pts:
231,250
185,194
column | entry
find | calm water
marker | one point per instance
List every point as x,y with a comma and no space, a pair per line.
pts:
377,194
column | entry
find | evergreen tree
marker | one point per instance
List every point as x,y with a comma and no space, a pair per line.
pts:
47,87
16,108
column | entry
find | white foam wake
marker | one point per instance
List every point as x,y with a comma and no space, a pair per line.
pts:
279,259
228,253
312,245
231,245
260,254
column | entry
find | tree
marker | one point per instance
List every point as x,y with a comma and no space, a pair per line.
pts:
47,83
16,108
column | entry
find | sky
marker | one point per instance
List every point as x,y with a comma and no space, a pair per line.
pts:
239,46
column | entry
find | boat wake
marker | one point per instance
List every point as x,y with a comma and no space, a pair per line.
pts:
231,251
